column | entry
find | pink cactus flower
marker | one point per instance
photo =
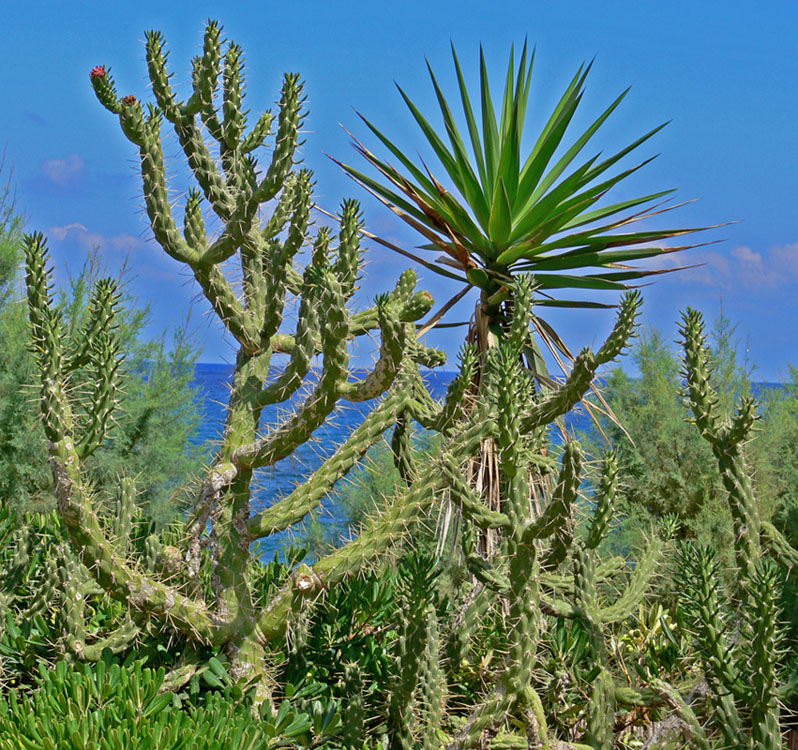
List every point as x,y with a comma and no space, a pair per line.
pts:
97,72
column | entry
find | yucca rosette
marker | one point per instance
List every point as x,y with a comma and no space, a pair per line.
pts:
502,211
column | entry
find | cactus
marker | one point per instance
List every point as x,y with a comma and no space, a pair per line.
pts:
272,365
741,666
353,728
418,632
541,568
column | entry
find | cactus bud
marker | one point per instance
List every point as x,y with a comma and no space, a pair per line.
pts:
103,85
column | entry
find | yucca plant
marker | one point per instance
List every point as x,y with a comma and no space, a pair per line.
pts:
504,212
507,211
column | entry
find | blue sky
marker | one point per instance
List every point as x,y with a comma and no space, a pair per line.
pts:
725,79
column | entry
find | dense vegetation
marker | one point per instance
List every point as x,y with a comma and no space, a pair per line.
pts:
626,587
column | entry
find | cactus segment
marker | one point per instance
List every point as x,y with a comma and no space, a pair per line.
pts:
432,681
763,618
454,403
605,501
558,512
464,496
726,440
624,327
100,321
288,123
352,727
601,714
402,448
392,350
639,582
103,84
348,260
306,496
518,335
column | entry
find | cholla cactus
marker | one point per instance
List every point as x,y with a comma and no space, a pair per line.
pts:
741,667
272,365
532,572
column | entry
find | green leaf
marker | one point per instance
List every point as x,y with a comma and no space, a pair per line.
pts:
490,132
601,213
523,80
591,257
607,163
577,304
479,278
470,187
158,704
576,148
508,100
529,225
500,217
510,159
473,130
417,174
565,281
438,146
298,726
564,208
385,192
211,679
599,242
550,137
217,667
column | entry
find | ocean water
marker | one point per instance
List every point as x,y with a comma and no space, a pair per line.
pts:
275,482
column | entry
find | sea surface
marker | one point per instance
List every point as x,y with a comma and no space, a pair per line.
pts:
275,482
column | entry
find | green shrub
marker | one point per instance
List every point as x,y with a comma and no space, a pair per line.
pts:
162,410
113,707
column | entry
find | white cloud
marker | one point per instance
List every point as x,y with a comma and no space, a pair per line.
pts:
78,233
740,267
146,258
62,171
